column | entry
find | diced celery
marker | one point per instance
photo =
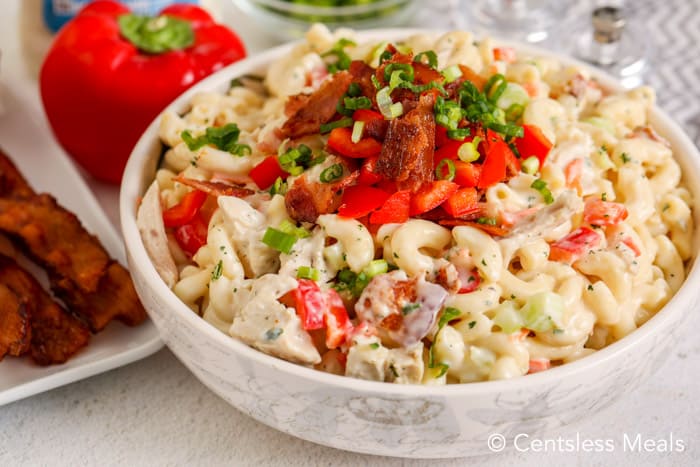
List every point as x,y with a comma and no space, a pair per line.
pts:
602,123
514,94
508,318
376,267
543,312
451,73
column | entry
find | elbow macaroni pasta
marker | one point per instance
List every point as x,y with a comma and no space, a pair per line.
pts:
604,149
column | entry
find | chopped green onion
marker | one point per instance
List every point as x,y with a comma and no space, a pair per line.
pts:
494,87
375,82
469,151
357,130
541,186
408,72
218,269
459,133
513,94
290,228
354,103
440,170
295,160
351,282
448,315
514,112
384,101
451,73
384,56
430,55
343,60
306,272
224,138
396,110
486,221
332,173
376,267
342,123
279,187
374,345
354,90
530,165
396,79
279,240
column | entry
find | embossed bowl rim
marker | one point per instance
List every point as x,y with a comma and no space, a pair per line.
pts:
139,174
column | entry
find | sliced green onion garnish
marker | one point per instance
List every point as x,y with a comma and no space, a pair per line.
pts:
486,221
357,130
375,82
530,165
376,267
354,90
279,187
289,228
451,73
396,110
343,122
458,134
451,170
541,186
384,101
332,173
306,272
514,112
430,55
407,69
354,103
279,240
396,79
495,86
469,152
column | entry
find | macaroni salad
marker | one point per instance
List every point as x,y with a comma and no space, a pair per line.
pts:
431,211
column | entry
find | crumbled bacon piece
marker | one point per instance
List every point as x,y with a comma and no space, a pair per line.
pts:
215,188
407,154
318,108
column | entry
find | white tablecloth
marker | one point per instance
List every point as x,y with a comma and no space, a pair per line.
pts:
154,412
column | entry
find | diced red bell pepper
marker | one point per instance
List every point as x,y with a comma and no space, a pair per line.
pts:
192,235
183,212
336,319
461,202
600,213
449,150
265,173
366,115
467,174
504,54
310,304
493,170
431,195
572,247
632,246
469,281
394,210
539,364
340,142
441,137
359,200
533,143
367,175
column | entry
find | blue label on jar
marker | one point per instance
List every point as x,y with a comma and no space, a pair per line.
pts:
58,12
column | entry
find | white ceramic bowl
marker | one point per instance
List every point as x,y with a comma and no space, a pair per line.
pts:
382,418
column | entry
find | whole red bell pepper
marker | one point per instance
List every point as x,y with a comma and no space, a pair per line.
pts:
109,73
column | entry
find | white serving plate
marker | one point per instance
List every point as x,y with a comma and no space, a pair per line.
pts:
27,139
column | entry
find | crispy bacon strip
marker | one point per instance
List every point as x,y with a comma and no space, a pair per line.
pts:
215,188
306,200
407,154
55,238
318,108
55,334
15,330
